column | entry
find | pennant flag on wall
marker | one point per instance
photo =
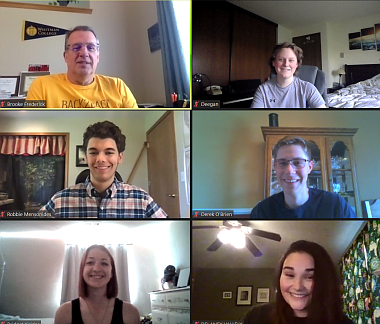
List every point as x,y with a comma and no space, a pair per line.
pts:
33,30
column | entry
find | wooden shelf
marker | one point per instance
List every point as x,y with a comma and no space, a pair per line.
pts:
21,5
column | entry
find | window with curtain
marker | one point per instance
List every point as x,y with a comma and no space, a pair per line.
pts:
33,168
182,15
174,27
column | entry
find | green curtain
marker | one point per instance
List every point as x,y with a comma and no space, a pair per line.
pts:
361,288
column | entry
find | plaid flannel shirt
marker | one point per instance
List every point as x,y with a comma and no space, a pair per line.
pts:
121,201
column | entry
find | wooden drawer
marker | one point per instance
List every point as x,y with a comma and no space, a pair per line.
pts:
158,299
179,318
180,299
160,317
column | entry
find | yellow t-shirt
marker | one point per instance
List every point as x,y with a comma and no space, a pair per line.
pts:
59,92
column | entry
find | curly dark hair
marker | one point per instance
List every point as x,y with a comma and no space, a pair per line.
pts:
297,50
104,130
326,302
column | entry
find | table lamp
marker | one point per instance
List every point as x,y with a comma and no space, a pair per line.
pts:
340,72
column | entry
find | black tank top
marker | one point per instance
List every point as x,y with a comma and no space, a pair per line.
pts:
117,315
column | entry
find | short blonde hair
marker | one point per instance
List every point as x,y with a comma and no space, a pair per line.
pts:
292,140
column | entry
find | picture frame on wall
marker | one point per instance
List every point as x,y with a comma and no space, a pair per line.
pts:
80,160
9,85
27,78
227,294
244,295
263,295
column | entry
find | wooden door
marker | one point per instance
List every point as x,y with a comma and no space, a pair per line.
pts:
162,165
311,46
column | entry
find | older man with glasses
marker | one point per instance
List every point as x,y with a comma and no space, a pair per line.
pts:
292,163
80,87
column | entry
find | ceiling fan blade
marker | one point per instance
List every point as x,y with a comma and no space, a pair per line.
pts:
245,223
205,226
215,245
267,235
252,247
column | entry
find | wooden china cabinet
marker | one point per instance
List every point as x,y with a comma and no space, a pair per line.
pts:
332,151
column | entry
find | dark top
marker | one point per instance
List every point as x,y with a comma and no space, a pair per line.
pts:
321,204
117,316
261,314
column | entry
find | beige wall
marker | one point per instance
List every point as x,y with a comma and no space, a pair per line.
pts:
228,152
121,27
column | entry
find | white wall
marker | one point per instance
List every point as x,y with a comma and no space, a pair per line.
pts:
338,43
284,35
121,27
334,40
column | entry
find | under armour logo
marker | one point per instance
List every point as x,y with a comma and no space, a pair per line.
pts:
270,100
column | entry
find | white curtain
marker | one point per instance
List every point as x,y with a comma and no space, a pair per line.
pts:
70,276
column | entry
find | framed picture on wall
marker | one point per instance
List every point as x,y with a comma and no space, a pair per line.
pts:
80,160
244,296
9,85
262,295
26,79
227,294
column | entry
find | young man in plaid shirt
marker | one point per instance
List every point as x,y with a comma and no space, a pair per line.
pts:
102,195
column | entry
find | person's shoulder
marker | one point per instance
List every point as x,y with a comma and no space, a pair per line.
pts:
261,313
270,83
63,314
130,314
131,188
70,191
323,194
263,208
304,84
108,79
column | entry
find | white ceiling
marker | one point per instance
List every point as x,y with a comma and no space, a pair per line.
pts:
334,236
294,14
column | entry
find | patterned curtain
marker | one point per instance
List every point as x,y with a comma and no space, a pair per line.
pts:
361,287
32,145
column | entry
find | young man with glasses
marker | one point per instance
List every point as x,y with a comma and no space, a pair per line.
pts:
293,164
80,87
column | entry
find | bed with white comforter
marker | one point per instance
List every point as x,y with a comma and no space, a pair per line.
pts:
364,94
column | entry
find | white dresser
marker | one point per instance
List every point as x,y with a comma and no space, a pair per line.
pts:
171,306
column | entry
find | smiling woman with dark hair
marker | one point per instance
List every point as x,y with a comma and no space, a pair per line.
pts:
98,289
286,90
308,290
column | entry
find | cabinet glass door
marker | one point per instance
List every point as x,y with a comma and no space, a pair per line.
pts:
341,173
315,177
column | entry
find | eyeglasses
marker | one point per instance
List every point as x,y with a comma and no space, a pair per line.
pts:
91,47
296,163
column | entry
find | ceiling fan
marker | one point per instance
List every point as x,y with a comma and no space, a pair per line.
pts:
238,230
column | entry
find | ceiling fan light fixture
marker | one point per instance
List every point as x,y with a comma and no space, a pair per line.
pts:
237,238
225,236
